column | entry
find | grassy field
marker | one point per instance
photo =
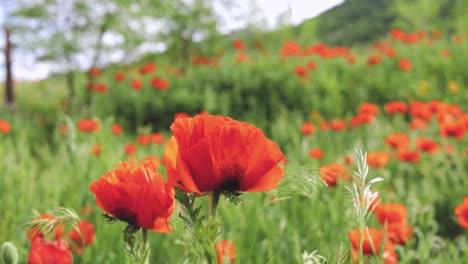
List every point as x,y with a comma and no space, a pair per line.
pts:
48,162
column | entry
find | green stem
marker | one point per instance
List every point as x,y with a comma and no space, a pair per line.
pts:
146,248
214,203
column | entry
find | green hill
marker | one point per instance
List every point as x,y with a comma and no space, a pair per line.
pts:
361,21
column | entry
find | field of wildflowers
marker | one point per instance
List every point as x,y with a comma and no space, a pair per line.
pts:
307,154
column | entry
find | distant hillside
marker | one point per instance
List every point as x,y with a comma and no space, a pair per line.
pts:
358,21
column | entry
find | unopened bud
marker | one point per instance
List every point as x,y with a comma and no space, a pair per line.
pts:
9,253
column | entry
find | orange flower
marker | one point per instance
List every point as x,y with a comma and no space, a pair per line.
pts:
391,213
316,153
311,65
461,211
324,126
418,123
35,232
136,193
130,149
397,140
116,129
147,68
238,44
420,110
338,125
96,149
95,72
373,60
144,140
373,239
181,115
300,71
408,155
157,138
4,127
137,84
361,119
426,144
399,232
332,172
368,109
159,83
119,77
88,125
216,153
396,107
404,64
82,236
43,251
377,159
452,129
225,250
307,128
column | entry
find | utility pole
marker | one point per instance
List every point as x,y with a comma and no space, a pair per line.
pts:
9,94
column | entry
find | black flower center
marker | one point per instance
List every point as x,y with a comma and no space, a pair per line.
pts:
231,177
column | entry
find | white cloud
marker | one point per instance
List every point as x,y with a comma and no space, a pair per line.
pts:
25,69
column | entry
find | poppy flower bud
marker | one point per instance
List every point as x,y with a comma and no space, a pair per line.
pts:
9,253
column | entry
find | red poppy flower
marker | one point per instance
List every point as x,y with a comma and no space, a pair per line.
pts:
408,155
377,159
300,71
316,153
361,119
418,124
82,236
374,60
427,145
452,129
399,232
373,239
116,129
324,126
337,125
35,232
397,140
100,87
144,140
238,44
461,211
136,193
88,125
130,149
157,138
119,77
4,127
137,84
216,153
307,128
405,65
96,149
420,110
181,115
45,252
225,249
444,53
396,107
332,172
95,72
391,213
147,68
159,83
311,65
368,109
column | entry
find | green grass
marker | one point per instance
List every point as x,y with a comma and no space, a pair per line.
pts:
42,169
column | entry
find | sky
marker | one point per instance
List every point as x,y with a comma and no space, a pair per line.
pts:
25,68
